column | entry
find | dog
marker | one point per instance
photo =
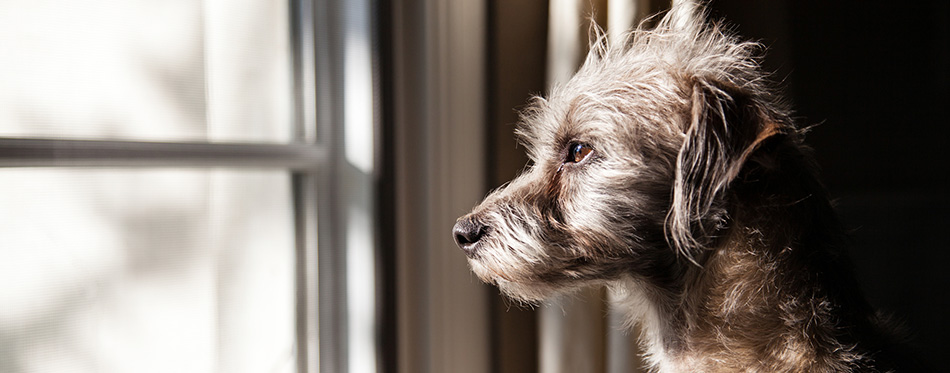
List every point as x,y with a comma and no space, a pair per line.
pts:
669,170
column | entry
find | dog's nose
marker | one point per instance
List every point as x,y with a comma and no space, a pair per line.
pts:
468,232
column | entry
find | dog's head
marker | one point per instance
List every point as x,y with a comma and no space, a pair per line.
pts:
631,161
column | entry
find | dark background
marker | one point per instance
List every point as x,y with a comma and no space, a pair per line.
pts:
871,76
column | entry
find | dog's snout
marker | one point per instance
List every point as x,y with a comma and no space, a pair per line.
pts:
468,231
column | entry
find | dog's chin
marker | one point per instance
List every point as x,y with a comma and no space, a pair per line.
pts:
537,293
532,294
519,283
515,284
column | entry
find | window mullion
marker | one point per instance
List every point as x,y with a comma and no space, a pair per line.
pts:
15,152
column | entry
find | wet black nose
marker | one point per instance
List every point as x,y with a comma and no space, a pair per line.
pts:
468,232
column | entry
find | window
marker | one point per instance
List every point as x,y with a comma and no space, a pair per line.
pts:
185,187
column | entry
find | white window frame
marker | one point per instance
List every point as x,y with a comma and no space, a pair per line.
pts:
321,176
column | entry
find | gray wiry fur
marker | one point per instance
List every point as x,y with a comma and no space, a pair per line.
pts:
698,204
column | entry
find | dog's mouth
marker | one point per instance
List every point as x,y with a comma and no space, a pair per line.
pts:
490,270
493,263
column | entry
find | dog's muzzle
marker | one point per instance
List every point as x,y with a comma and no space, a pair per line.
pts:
468,232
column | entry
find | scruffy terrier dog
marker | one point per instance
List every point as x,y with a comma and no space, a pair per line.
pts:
668,171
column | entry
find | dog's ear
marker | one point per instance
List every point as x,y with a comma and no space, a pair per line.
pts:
726,127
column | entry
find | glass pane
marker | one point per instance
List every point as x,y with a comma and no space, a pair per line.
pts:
170,70
146,271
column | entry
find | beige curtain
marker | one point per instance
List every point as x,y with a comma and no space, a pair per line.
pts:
574,335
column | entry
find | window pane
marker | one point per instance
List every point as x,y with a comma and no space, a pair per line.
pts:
170,70
146,271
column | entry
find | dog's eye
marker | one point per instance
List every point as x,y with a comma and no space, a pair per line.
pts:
579,152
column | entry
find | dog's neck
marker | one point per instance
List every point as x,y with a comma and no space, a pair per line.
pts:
765,296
